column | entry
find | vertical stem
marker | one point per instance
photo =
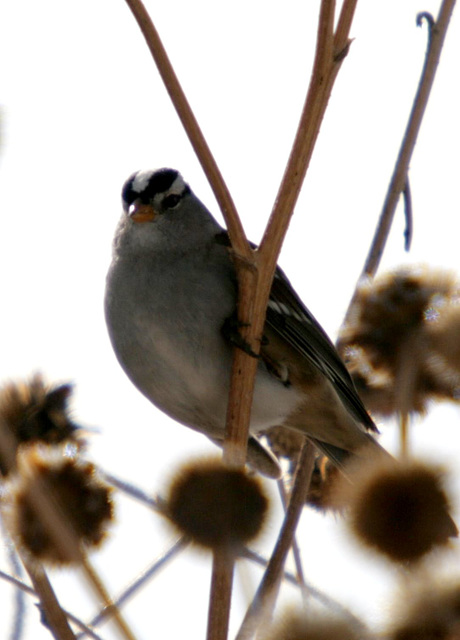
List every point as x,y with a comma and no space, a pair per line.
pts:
268,589
220,595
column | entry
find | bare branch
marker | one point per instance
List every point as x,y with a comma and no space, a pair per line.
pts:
398,180
191,127
268,589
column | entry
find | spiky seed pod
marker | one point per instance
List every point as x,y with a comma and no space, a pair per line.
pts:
80,499
399,511
298,626
387,330
388,309
36,412
430,613
215,506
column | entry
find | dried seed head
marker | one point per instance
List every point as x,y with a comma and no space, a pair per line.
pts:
298,626
388,309
35,412
387,334
77,497
400,511
429,613
215,506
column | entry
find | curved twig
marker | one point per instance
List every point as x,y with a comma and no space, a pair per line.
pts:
398,180
425,15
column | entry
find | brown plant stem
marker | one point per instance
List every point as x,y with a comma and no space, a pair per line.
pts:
220,594
192,129
398,180
255,277
55,617
110,609
295,546
150,572
266,594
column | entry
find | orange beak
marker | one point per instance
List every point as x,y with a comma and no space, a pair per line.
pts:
141,212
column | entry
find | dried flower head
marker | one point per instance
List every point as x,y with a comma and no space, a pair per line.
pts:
76,498
428,613
216,506
388,309
400,511
35,412
299,626
386,338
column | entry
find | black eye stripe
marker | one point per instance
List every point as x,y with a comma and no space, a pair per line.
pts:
171,201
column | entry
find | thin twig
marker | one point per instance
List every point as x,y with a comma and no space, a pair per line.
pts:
190,124
55,617
24,588
267,591
140,581
408,215
295,546
130,489
255,284
307,133
110,609
437,34
312,591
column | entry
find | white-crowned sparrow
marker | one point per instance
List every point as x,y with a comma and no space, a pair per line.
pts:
171,294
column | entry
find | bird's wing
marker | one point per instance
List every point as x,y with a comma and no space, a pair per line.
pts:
293,322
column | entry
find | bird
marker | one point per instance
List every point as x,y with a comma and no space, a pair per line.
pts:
170,308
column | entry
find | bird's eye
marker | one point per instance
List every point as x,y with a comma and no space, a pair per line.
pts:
171,201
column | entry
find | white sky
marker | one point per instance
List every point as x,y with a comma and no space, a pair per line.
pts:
82,107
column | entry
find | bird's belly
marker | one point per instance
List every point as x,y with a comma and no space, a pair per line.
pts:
191,384
272,402
187,382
